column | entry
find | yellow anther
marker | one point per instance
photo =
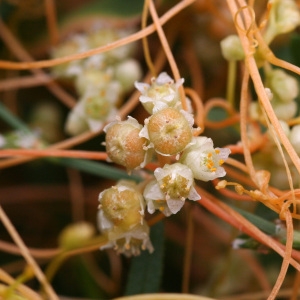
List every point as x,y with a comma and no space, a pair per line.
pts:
221,162
217,151
162,208
209,155
213,169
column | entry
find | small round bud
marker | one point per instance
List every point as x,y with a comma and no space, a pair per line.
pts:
284,111
75,124
205,161
286,15
74,235
284,86
127,72
232,49
124,146
169,131
294,138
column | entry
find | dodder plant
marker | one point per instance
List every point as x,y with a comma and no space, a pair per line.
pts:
166,148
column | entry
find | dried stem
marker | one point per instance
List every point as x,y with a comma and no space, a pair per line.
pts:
26,254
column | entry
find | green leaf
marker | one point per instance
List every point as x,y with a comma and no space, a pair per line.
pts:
264,225
146,269
11,119
269,227
95,168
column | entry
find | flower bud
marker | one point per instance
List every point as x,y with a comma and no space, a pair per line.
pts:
284,86
127,72
124,146
284,111
205,161
169,131
232,49
285,15
74,235
294,138
162,93
75,124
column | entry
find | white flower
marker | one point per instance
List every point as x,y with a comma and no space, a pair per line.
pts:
129,242
96,107
205,161
174,183
155,199
162,93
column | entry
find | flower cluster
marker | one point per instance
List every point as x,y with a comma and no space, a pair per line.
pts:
282,90
21,139
100,80
168,131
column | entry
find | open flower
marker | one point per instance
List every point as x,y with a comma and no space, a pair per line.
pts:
174,183
162,93
93,109
205,161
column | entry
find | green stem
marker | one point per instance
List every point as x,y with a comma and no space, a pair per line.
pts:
231,80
